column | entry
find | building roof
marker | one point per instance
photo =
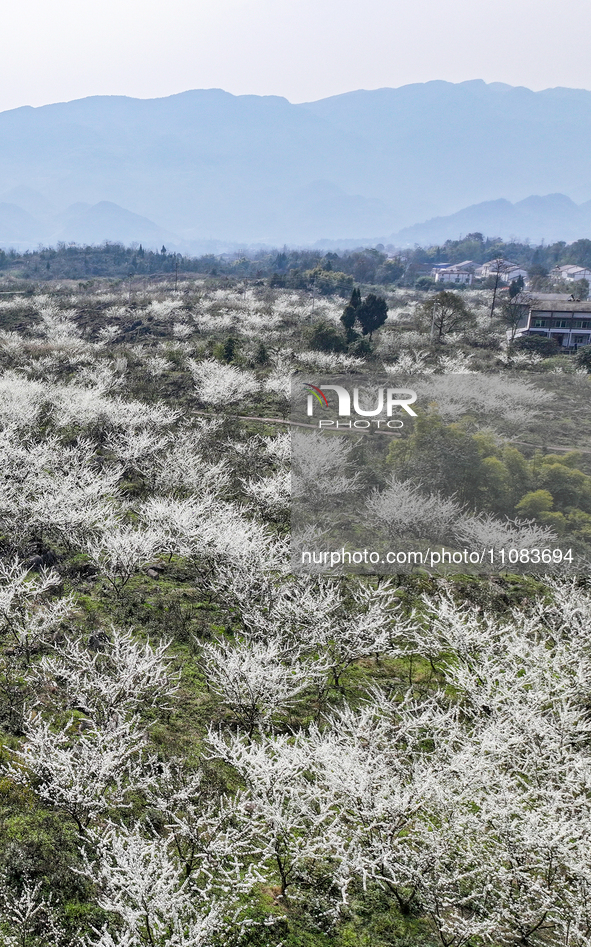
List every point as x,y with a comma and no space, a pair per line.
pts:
503,264
532,299
570,266
570,270
456,268
453,266
566,306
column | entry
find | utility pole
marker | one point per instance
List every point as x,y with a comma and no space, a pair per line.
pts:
176,271
498,264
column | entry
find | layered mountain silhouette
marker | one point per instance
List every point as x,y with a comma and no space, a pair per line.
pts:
205,165
550,218
80,223
95,223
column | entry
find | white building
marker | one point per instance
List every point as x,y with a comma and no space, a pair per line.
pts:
570,272
507,271
458,273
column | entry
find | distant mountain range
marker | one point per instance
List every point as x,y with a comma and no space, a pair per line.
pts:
205,167
38,222
550,218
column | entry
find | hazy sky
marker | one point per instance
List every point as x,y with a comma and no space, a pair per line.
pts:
301,49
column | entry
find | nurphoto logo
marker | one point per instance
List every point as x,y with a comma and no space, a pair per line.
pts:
449,475
389,398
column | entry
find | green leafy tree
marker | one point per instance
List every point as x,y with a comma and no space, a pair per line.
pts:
227,350
390,271
443,455
425,283
512,314
372,313
445,312
350,314
583,357
538,276
569,487
516,287
472,468
324,337
579,252
539,344
494,484
261,355
537,505
518,467
534,503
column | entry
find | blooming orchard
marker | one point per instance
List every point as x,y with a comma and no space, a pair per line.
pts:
199,747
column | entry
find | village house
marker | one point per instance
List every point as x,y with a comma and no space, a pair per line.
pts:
458,273
570,272
557,316
507,271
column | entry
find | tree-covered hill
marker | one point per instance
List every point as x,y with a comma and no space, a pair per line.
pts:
331,271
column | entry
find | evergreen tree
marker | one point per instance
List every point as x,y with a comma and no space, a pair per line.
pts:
372,313
261,356
516,287
350,314
229,349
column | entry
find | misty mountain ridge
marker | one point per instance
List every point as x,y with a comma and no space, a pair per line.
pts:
81,223
538,219
205,166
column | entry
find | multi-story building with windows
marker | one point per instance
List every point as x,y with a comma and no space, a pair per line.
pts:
567,321
460,273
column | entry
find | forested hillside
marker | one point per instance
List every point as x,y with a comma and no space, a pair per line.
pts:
329,271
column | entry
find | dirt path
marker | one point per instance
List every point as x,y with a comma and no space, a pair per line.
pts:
550,447
249,417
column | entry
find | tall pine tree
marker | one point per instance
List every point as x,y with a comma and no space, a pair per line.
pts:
350,314
372,313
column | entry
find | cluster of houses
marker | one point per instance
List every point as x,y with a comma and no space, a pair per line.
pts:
557,316
463,273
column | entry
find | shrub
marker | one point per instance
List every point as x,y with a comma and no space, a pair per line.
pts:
324,337
483,339
360,347
583,357
540,344
425,283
